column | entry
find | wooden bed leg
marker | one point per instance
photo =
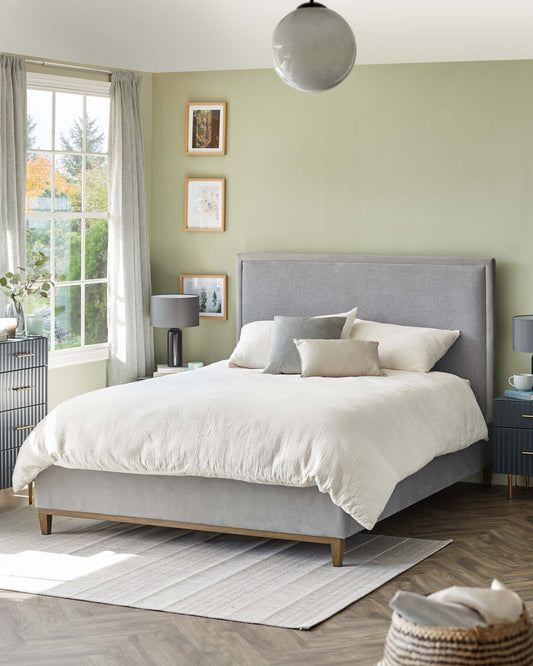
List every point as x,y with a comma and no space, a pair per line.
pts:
30,492
337,552
487,476
45,521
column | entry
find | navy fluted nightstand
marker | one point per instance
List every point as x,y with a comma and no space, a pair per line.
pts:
513,439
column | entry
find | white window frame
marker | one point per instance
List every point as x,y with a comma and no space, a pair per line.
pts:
84,353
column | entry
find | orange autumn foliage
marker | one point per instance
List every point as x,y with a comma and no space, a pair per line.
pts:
39,180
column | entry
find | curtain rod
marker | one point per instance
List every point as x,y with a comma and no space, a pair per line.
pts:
62,66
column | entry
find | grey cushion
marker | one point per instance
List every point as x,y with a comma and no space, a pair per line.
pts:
284,357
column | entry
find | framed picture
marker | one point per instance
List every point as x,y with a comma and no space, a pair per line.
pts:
212,291
205,129
205,204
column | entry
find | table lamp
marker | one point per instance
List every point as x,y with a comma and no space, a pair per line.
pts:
523,335
175,311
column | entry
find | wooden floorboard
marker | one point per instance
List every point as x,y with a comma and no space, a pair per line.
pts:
493,537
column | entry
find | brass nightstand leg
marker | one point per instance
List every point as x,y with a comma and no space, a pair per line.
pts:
510,485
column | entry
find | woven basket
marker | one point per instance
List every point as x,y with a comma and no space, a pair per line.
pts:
411,644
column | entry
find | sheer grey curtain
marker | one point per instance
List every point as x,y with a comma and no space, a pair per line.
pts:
130,335
12,162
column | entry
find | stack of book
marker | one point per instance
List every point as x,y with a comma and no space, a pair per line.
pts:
3,334
164,370
519,395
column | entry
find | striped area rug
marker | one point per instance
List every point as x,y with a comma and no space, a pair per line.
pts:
245,579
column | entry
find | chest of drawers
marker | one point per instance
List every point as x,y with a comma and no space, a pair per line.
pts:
23,396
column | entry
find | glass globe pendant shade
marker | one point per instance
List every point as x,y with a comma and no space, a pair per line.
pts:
314,48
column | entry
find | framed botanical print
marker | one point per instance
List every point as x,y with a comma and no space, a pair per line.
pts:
205,128
212,290
205,204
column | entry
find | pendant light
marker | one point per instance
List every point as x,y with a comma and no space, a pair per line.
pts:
314,48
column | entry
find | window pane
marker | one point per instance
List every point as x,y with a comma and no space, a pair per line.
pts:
40,307
38,182
39,127
38,240
96,185
96,249
95,313
97,124
69,122
67,181
68,317
67,247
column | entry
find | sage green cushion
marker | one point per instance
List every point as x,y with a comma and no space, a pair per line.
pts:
284,358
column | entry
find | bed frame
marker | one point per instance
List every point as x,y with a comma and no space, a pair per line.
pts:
454,293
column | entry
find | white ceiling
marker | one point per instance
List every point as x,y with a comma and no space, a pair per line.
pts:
188,35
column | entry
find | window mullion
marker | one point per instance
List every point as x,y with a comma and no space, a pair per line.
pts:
82,308
52,230
84,209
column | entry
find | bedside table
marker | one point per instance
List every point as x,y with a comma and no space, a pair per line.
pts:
513,439
164,370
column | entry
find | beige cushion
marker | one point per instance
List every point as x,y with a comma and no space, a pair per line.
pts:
409,348
338,358
257,338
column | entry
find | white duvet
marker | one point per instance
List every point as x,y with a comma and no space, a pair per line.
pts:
354,438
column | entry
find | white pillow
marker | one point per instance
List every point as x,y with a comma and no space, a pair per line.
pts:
339,358
255,343
406,347
257,337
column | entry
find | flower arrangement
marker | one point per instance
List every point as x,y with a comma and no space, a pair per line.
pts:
18,286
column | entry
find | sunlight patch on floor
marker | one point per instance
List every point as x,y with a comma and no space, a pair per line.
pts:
54,568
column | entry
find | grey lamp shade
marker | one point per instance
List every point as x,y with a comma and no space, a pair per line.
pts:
175,311
314,48
523,333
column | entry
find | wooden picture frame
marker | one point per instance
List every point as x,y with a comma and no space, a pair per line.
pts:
205,128
205,204
213,293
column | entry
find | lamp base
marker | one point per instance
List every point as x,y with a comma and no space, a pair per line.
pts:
174,353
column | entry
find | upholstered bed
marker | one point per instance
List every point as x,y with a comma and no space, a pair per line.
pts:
454,293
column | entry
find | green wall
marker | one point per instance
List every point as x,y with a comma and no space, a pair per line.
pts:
429,159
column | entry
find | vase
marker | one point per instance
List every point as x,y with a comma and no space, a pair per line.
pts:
15,310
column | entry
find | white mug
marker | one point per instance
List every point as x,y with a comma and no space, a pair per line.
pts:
522,382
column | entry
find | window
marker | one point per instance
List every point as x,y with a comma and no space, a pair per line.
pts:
67,211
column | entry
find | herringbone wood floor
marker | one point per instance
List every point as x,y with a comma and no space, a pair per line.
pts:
492,538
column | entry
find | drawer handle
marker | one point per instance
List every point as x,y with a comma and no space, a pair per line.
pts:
24,388
527,453
527,416
25,427
24,355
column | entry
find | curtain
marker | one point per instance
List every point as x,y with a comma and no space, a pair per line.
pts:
131,353
12,163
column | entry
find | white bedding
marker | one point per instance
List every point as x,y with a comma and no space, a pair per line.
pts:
353,437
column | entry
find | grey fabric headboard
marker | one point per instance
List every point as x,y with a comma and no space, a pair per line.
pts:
440,292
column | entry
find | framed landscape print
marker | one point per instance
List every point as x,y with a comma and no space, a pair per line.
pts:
205,129
212,291
205,204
